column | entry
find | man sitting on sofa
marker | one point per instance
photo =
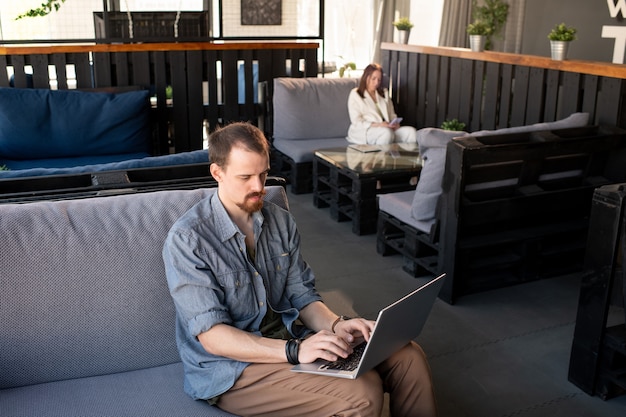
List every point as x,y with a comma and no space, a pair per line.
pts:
241,288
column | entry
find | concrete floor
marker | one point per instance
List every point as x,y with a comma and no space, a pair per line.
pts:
499,353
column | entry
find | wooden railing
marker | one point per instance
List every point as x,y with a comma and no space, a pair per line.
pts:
211,83
491,90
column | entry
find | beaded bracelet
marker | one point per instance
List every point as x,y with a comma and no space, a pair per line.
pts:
292,348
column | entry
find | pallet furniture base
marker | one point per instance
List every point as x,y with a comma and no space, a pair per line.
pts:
299,175
598,357
349,181
420,252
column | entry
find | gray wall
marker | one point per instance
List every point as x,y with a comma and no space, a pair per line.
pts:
588,16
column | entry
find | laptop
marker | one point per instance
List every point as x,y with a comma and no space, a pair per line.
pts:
396,325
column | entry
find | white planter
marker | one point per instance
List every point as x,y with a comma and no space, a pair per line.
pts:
477,42
558,50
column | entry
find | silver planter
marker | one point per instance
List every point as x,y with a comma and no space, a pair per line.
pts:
404,35
558,50
477,42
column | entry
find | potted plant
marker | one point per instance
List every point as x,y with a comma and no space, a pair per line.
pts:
493,13
560,36
478,31
453,124
404,27
348,66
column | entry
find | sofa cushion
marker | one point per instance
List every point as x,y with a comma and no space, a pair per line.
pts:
112,243
64,166
304,150
311,108
573,120
432,147
399,205
42,123
148,392
433,142
18,165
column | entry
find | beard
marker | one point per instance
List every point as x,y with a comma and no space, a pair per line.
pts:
252,206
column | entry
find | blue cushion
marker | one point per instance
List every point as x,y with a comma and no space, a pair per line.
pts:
66,163
79,165
41,123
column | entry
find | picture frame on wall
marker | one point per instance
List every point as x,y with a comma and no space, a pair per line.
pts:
270,19
261,12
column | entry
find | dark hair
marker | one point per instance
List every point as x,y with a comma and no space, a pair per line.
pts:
242,134
367,72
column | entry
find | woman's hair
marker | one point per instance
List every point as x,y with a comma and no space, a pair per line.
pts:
242,134
367,72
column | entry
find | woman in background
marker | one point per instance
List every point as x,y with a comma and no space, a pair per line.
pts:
372,114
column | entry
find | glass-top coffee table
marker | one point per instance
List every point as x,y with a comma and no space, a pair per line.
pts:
348,180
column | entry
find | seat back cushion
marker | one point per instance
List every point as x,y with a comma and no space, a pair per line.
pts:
83,289
42,123
311,108
573,120
432,147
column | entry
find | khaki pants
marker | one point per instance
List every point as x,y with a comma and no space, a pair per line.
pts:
273,390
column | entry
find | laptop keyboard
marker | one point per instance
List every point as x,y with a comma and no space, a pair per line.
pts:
351,362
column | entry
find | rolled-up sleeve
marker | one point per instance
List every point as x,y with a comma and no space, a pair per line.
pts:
198,297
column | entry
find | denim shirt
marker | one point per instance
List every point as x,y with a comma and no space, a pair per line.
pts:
212,281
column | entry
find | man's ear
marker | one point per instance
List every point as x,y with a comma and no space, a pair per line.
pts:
216,172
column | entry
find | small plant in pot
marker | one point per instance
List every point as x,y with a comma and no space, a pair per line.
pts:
404,26
560,36
348,66
494,14
453,124
478,31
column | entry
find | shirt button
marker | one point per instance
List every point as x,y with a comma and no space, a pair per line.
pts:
256,274
261,304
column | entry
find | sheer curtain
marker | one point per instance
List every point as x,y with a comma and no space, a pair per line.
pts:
386,11
514,27
457,14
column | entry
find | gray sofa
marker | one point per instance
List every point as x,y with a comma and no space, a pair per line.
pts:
86,319
308,114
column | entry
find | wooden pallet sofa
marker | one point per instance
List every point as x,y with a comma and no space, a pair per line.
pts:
513,207
308,114
87,324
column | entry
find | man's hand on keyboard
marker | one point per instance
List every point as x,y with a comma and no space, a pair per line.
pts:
354,331
324,345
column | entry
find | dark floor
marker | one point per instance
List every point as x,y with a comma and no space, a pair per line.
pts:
494,354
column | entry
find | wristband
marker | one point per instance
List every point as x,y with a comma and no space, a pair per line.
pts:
332,327
292,348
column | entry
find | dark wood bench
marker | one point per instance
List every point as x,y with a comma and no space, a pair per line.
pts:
514,208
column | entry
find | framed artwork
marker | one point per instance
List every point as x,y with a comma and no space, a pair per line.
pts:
261,12
269,19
